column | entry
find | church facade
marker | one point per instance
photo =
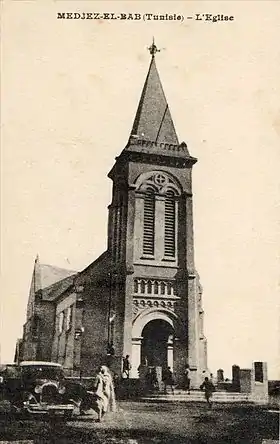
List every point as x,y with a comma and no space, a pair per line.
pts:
142,296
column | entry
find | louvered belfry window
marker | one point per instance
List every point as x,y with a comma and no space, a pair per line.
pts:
149,223
169,225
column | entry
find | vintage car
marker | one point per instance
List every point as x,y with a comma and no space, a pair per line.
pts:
36,388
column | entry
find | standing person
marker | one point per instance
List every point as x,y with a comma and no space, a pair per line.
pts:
154,379
110,349
209,388
187,379
168,380
148,380
126,366
105,393
110,354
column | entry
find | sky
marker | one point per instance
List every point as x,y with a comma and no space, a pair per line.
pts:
70,90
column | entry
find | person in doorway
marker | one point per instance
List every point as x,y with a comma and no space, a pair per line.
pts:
208,388
148,380
126,367
110,354
154,379
168,380
187,379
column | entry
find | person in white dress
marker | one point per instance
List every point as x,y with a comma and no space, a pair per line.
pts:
105,392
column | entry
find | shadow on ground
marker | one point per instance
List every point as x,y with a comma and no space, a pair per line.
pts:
151,424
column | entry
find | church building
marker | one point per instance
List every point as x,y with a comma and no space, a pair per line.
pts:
142,296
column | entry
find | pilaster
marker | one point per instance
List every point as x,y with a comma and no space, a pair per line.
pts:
138,225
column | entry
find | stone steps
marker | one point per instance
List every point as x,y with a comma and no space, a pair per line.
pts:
197,396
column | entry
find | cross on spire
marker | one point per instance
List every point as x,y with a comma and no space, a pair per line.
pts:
153,121
153,48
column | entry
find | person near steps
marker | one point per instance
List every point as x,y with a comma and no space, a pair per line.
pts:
208,388
187,379
168,380
126,367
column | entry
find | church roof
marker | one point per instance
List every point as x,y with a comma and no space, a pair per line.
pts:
153,120
45,275
50,275
58,288
96,268
153,130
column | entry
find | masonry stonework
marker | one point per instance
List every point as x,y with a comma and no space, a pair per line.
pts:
143,296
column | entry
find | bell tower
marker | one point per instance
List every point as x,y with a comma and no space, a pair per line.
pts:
155,305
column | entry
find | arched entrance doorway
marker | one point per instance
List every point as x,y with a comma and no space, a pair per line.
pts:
157,344
152,329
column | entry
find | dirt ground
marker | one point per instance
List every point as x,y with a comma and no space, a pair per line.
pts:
151,423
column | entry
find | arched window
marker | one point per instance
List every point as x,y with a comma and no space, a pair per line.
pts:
69,318
156,214
170,224
149,223
60,322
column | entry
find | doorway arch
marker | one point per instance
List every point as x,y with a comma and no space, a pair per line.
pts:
157,344
174,324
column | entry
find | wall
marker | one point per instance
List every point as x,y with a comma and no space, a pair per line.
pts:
38,331
63,342
191,346
259,386
245,380
95,281
29,345
45,311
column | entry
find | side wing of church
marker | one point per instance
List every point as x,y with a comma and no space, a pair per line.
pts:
142,297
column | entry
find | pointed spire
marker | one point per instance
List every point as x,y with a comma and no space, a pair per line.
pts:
153,121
